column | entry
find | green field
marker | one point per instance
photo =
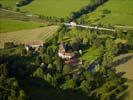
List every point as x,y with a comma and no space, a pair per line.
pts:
91,54
113,12
9,3
39,34
56,8
8,25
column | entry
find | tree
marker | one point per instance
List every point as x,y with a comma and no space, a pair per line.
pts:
9,45
85,86
3,70
38,61
38,73
107,59
111,47
66,69
69,84
59,64
22,95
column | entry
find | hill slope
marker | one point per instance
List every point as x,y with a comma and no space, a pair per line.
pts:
113,12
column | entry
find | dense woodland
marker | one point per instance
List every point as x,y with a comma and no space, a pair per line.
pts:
44,69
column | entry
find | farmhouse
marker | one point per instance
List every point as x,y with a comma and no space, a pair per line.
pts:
73,24
62,52
33,44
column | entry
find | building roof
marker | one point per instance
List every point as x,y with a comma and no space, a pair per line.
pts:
30,43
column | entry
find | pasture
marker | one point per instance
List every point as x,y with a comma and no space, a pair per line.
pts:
113,12
9,3
9,25
51,8
23,36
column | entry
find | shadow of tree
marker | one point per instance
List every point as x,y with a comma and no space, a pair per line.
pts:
38,89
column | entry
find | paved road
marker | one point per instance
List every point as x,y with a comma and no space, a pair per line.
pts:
91,27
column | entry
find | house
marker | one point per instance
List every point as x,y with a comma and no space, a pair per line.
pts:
63,52
73,24
33,44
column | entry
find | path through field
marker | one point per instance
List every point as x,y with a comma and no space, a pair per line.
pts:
23,36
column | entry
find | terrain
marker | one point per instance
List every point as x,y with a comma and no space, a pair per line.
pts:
95,63
28,35
113,12
50,8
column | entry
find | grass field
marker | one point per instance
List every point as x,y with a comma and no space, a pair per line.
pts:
56,8
113,12
9,3
127,67
91,54
8,25
39,34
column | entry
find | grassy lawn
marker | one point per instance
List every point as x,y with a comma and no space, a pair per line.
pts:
39,34
90,54
8,25
56,8
121,13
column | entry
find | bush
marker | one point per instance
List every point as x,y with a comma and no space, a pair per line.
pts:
8,45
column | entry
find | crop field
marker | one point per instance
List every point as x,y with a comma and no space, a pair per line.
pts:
56,8
39,34
114,12
8,25
127,68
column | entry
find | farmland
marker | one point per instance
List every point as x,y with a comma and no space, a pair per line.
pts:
113,12
8,25
51,8
128,73
39,34
47,51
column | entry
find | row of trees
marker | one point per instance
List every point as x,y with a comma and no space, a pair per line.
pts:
89,8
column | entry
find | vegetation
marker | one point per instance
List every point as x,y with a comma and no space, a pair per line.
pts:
120,11
39,34
62,8
66,63
9,25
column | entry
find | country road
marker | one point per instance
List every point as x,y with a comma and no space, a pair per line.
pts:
90,27
82,26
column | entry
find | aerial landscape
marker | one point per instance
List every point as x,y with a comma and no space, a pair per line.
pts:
66,49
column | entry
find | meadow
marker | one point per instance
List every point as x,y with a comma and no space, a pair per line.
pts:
113,12
9,25
52,8
9,3
23,36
